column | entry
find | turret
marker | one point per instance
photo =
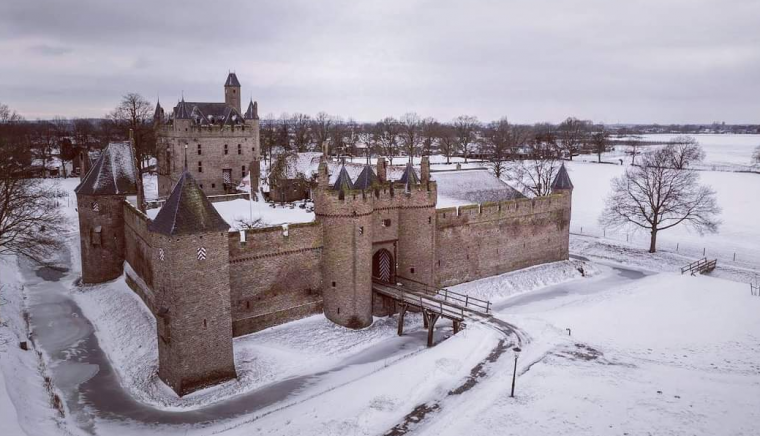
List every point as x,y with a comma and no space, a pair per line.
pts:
158,114
252,120
232,91
346,218
562,181
194,318
101,215
382,170
416,224
564,187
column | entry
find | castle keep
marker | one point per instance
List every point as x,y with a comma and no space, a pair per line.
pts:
206,284
219,143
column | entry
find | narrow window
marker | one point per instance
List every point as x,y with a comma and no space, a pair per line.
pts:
411,270
200,166
199,150
361,230
430,220
201,186
387,222
243,171
213,185
439,262
333,284
240,149
226,149
247,304
204,324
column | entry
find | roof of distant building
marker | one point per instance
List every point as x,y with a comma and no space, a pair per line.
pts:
114,173
475,186
207,114
188,211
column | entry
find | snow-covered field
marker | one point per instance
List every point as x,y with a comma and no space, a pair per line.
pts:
627,346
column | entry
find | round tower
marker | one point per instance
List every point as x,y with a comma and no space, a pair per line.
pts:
346,218
416,226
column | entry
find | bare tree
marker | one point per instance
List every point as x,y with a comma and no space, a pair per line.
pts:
321,126
466,128
44,141
535,174
411,135
684,150
634,147
8,115
447,141
387,132
599,143
337,136
31,224
300,127
135,113
572,135
655,196
268,133
428,135
500,142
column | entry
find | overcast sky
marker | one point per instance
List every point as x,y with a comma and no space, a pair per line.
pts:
531,60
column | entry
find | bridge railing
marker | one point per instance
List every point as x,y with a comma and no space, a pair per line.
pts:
448,295
422,301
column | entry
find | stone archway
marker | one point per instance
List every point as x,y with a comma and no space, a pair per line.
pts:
383,267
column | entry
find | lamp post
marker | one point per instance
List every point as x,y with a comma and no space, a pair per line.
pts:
514,374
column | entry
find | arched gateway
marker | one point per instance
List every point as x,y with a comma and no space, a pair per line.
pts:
383,267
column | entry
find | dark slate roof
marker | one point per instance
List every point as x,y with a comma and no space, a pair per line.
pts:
114,173
159,112
343,182
188,211
207,114
562,181
232,80
410,176
253,111
366,179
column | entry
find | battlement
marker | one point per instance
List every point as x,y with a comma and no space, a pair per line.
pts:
185,128
489,211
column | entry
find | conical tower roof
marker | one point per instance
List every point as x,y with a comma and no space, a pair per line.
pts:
188,211
562,181
343,182
366,179
232,80
410,176
114,173
253,111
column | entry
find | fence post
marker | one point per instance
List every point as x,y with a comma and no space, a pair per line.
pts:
734,256
581,230
704,250
677,245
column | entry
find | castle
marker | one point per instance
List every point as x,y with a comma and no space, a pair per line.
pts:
206,284
216,140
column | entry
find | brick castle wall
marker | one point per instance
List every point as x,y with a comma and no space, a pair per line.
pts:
494,238
101,236
275,276
242,147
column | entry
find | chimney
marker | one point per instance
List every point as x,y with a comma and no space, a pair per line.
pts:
382,170
425,169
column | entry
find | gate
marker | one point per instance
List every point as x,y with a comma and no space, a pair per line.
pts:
382,266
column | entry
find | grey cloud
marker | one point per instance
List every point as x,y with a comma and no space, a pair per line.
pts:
644,61
49,50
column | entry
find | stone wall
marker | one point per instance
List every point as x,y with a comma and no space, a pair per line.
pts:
494,238
275,276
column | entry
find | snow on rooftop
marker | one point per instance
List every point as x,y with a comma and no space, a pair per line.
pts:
235,211
456,188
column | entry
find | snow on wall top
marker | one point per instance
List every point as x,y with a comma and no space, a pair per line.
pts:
114,173
307,164
475,186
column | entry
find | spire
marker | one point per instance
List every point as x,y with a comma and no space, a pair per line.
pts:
562,181
252,113
181,112
343,182
188,211
366,179
158,114
232,80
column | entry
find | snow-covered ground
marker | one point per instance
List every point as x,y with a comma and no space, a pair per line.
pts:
664,354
